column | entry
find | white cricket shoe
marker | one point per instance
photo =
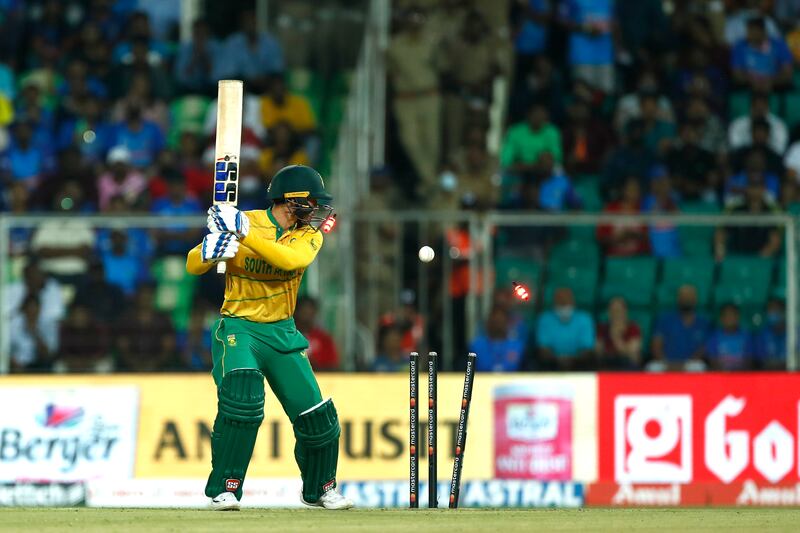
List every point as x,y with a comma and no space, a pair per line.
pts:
332,500
225,502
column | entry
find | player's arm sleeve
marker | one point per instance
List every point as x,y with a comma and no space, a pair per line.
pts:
296,254
194,262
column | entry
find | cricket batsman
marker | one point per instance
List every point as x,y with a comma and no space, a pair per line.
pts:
267,253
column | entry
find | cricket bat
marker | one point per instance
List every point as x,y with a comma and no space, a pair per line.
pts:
229,141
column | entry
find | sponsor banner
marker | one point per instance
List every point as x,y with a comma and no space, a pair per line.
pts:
176,414
627,495
42,494
533,431
186,493
747,494
499,493
67,434
699,428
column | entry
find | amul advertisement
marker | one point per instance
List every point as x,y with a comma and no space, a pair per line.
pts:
699,428
67,434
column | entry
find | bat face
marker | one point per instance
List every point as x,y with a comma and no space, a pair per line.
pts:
226,180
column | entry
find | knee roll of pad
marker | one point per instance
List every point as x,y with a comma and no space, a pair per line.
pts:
241,397
319,426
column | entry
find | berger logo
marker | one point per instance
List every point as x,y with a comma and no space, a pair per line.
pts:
329,485
232,485
60,417
532,421
231,340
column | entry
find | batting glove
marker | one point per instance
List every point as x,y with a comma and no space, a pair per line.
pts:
228,219
219,247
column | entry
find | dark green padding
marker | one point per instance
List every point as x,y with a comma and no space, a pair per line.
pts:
317,449
240,410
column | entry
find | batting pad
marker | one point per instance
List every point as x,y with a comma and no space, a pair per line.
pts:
240,410
317,449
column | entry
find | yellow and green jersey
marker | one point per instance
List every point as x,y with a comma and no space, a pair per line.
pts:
262,281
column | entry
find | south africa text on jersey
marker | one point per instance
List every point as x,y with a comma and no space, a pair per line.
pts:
259,266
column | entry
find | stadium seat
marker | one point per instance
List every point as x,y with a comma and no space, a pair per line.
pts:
308,83
582,233
739,104
632,278
174,289
588,190
574,252
633,271
751,271
696,271
582,281
692,270
509,269
638,297
751,298
696,241
187,114
791,108
700,207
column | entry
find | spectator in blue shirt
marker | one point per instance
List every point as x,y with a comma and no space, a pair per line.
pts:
680,336
29,109
88,132
391,356
591,45
174,238
123,267
555,188
499,349
518,326
760,61
769,343
729,347
530,19
565,336
23,161
139,29
141,137
664,237
252,55
195,70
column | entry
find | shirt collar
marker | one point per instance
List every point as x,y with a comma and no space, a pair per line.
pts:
278,228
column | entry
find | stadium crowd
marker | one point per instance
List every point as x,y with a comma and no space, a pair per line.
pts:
103,110
615,106
621,106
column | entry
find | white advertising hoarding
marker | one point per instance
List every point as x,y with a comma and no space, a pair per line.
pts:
67,434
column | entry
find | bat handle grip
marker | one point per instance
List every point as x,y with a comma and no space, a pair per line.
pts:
221,267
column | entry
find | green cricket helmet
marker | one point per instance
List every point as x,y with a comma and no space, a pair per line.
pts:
303,190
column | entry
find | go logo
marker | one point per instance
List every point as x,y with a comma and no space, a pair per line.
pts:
653,438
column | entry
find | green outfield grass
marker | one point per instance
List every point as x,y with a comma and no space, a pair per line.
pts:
495,520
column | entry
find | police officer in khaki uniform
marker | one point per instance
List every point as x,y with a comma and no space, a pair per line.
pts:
413,63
